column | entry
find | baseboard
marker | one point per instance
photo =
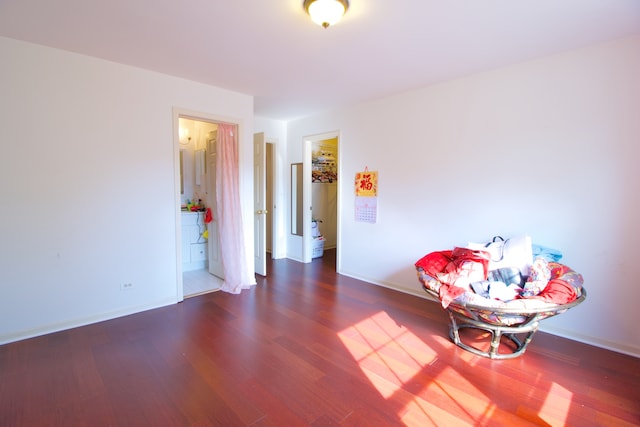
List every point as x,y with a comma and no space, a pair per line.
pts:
389,285
594,341
75,323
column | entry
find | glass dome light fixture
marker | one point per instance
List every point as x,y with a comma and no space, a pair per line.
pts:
326,12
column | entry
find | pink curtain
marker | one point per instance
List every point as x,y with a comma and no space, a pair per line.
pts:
237,271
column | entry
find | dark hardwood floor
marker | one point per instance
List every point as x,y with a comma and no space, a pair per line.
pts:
305,347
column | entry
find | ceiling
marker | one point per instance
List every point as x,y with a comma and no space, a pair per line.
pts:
270,48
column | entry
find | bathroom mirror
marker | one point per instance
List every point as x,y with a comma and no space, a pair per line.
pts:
296,199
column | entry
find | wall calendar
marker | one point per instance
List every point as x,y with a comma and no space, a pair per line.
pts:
366,207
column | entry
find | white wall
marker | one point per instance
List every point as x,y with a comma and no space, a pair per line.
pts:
548,148
88,188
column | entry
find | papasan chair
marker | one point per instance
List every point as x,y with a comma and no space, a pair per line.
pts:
547,289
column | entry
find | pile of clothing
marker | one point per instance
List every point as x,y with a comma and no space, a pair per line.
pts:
501,273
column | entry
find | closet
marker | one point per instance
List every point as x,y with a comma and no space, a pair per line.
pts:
324,187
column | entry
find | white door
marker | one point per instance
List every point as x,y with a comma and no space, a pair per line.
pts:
259,204
215,257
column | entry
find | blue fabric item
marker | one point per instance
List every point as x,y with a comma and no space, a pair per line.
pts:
550,254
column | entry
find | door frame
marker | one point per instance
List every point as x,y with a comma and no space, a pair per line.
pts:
307,148
260,203
178,113
275,202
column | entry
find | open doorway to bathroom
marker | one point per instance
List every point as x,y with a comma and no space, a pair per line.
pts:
197,139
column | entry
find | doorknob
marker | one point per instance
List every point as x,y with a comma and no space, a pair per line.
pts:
260,211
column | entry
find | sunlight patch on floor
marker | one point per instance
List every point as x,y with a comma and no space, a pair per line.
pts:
388,350
557,402
392,358
420,412
396,362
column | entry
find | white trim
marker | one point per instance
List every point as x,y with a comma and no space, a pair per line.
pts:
307,142
594,341
178,113
84,321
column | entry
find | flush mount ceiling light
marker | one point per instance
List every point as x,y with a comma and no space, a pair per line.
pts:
326,12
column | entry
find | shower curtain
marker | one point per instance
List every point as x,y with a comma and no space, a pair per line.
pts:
237,271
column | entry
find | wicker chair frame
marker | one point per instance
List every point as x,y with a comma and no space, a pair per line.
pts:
469,316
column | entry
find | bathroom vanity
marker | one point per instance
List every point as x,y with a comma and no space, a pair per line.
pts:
194,246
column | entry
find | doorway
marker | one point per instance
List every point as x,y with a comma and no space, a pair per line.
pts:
321,194
324,195
199,242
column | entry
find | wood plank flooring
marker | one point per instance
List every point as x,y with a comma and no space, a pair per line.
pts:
306,347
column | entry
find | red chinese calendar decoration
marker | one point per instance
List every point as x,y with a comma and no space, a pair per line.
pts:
366,184
366,208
